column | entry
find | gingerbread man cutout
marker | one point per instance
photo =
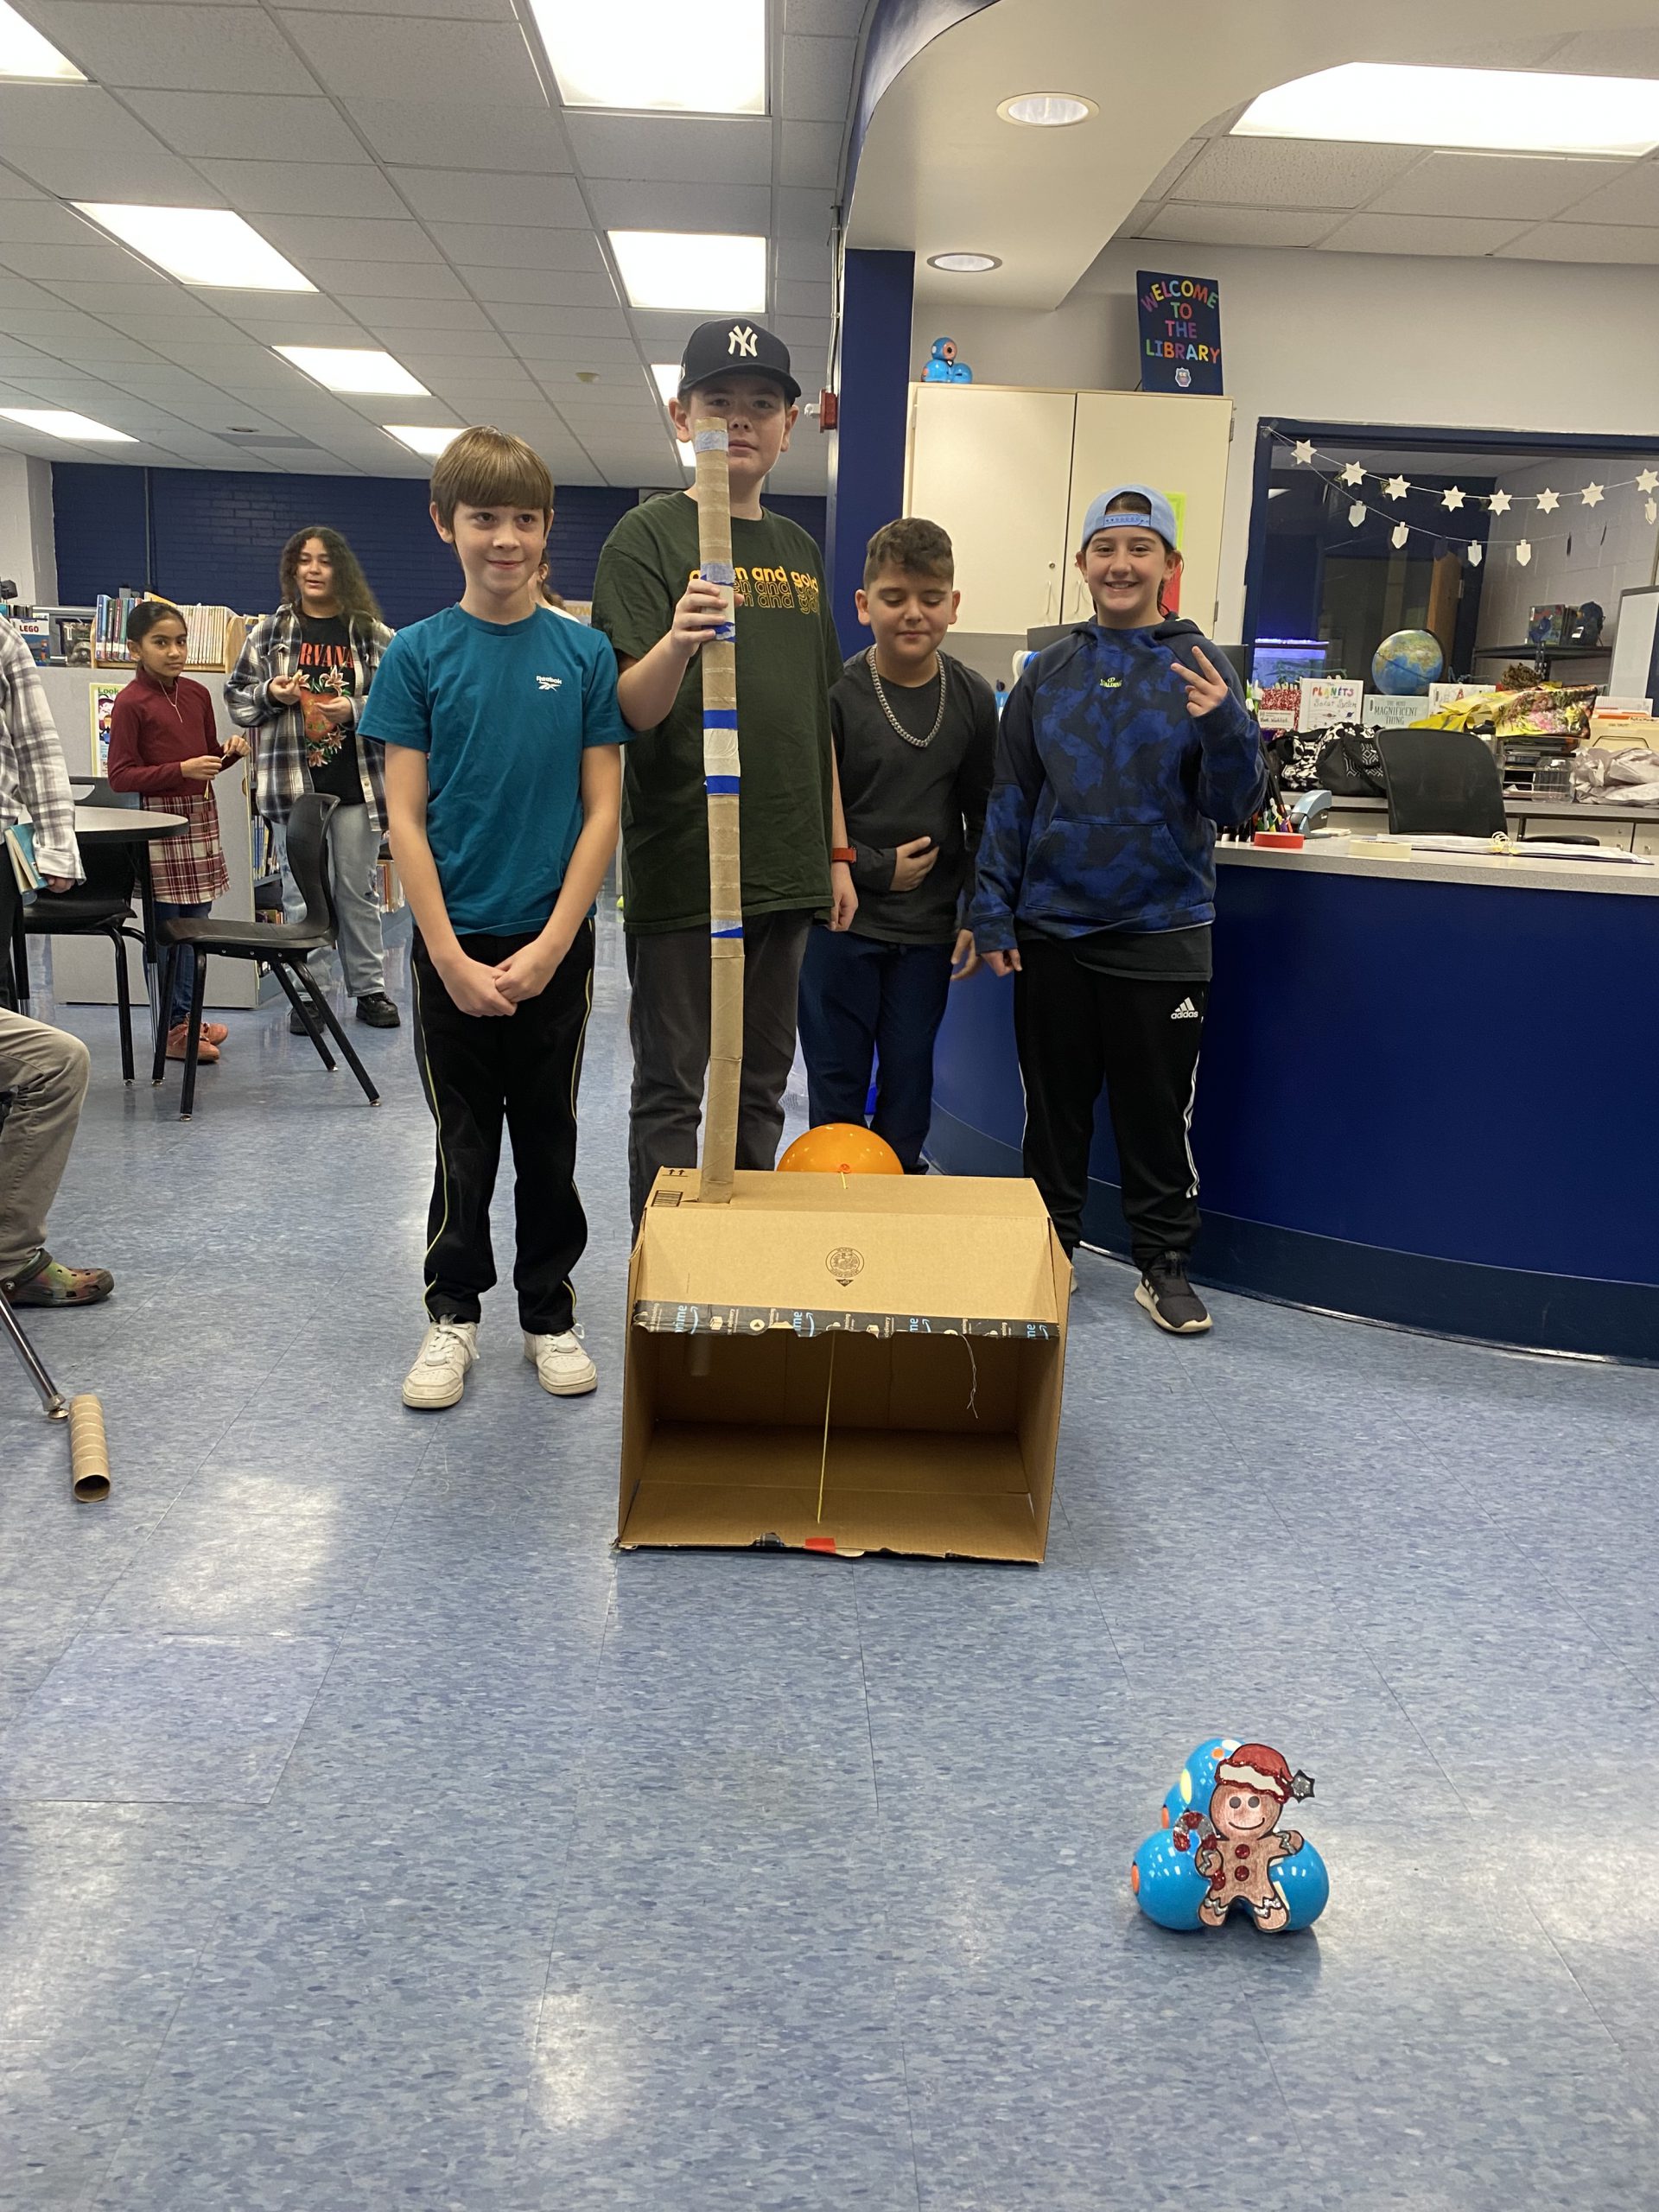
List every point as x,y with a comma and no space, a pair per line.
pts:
1241,1842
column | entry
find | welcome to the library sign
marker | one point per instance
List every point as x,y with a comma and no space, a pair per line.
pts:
1180,333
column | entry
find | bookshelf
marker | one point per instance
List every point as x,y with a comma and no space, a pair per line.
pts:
217,635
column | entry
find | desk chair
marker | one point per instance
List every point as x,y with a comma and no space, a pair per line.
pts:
101,906
1441,783
287,947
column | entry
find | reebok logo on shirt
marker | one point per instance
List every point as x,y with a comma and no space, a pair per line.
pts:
549,682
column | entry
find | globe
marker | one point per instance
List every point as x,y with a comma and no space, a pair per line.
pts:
1407,662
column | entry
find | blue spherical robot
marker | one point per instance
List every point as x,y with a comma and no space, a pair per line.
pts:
943,367
1220,1845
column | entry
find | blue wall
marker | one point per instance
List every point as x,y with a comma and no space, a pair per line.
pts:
213,536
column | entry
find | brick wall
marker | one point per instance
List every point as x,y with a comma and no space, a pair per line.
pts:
215,535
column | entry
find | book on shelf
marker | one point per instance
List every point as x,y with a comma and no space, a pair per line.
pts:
216,633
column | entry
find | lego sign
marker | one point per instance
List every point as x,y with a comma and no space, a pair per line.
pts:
1180,333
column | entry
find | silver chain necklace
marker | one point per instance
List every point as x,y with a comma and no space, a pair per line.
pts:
921,743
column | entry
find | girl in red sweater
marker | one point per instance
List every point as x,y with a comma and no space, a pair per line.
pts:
163,746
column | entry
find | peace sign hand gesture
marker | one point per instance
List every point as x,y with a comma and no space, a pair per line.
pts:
1205,692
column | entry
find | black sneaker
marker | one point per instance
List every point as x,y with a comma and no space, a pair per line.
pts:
1169,1298
296,1027
378,1012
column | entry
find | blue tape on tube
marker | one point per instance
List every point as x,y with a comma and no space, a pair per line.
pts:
722,787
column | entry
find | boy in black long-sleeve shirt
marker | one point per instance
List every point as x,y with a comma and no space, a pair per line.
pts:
915,739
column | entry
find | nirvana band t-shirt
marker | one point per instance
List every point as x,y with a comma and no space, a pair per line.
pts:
327,670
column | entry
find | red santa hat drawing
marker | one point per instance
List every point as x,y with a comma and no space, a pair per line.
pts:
1258,1766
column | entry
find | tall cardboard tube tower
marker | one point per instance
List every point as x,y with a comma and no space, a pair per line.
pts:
722,782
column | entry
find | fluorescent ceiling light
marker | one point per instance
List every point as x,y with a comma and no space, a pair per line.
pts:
58,423
963,264
419,438
1047,111
354,368
24,53
1496,111
667,374
636,55
680,272
200,245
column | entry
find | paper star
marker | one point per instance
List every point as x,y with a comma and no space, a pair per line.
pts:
1353,473
1395,488
1523,552
1304,452
1499,502
1399,534
1547,502
1356,514
1591,495
1651,510
1452,499
1648,480
1474,557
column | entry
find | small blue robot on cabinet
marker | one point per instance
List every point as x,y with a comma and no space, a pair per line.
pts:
942,366
1193,1870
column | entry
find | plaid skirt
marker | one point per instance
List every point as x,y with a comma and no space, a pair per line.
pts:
187,869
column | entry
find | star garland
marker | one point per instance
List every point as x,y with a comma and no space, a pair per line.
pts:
1349,476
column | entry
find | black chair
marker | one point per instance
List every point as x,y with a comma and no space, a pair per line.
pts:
1441,782
287,946
101,906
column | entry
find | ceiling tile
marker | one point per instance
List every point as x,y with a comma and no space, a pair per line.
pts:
544,287
741,207
574,351
79,263
1597,242
452,340
257,188
430,134
145,173
503,245
1412,234
112,297
1493,185
42,221
304,239
817,79
481,11
248,126
395,280
157,46
725,150
485,64
824,18
1292,173
532,323
810,300
1175,169
1631,195
13,186
1626,52
1238,225
809,154
804,218
493,196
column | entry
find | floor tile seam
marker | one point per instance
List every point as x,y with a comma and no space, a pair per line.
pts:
1288,2109
1590,2004
1574,1606
1410,1718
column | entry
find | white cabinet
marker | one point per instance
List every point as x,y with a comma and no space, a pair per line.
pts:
1009,471
992,464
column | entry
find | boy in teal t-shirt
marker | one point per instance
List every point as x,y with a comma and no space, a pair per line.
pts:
503,788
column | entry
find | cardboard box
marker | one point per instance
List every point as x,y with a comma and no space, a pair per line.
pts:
848,1364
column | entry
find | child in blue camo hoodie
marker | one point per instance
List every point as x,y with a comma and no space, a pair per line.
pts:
1121,749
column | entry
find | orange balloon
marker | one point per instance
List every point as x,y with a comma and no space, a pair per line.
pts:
841,1148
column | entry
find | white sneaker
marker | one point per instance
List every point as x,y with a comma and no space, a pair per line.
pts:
439,1375
561,1363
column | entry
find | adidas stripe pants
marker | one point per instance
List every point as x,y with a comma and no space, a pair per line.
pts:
1080,1032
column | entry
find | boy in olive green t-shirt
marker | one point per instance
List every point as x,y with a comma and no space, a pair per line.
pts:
657,614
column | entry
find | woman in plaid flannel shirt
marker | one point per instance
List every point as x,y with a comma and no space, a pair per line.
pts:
299,689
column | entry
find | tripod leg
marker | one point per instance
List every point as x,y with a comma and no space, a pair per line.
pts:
51,1397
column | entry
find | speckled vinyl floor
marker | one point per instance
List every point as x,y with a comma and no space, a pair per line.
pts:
372,1835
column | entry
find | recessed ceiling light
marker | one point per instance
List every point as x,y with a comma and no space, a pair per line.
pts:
200,245
635,54
59,422
354,368
963,264
1048,111
679,272
667,376
1508,111
429,442
24,53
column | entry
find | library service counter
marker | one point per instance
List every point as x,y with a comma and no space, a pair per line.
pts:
1428,1095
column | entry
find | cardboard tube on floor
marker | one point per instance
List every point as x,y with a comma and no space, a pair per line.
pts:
89,1449
721,783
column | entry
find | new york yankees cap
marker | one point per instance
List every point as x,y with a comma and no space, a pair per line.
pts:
735,342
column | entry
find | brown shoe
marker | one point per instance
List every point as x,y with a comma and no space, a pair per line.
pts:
48,1282
178,1045
213,1032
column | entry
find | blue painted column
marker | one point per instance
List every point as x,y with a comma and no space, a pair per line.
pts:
867,455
